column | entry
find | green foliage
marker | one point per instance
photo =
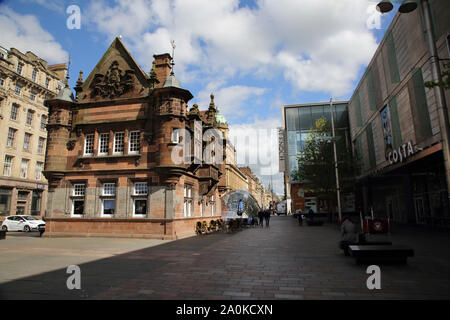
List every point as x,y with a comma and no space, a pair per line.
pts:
445,83
251,208
316,167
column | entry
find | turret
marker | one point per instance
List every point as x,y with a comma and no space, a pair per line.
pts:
58,127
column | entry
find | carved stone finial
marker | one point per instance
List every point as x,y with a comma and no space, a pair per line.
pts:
80,78
153,76
194,110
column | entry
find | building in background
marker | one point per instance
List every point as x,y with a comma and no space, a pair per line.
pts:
127,158
25,82
298,119
255,188
395,124
233,178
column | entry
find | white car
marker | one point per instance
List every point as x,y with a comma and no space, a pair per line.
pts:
22,223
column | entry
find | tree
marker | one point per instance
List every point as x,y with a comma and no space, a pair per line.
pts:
445,83
316,167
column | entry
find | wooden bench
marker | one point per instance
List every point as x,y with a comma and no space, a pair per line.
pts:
380,253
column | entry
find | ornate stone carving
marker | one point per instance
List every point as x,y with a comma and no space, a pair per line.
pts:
71,145
114,83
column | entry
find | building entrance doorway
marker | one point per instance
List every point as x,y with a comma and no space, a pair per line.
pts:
419,209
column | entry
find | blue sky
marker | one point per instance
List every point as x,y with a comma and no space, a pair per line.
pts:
254,55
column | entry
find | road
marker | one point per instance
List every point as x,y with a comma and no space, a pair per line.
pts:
285,261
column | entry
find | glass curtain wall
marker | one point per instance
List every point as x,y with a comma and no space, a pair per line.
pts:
301,119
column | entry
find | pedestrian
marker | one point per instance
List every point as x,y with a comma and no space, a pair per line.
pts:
261,218
267,217
311,214
300,218
348,233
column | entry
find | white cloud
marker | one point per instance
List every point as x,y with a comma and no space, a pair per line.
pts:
55,5
231,100
317,45
25,33
257,146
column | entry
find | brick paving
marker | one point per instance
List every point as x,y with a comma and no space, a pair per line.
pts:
285,262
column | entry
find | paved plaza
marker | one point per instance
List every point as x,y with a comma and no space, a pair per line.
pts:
284,262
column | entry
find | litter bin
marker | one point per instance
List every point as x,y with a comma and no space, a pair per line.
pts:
2,234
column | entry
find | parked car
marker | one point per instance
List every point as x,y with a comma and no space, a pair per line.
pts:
22,223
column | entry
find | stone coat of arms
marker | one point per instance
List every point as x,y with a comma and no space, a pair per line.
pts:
114,83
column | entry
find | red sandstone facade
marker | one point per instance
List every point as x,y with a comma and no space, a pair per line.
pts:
113,154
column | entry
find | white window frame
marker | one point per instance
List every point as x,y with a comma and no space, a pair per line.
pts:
7,165
11,137
175,136
19,68
18,89
90,137
41,144
38,170
188,201
14,111
109,194
134,207
27,142
134,142
117,141
102,145
213,205
43,122
29,119
109,189
140,192
79,192
140,189
24,168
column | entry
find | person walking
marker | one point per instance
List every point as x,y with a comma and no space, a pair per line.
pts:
261,218
348,233
267,217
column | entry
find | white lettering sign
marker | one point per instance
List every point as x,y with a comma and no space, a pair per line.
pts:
402,153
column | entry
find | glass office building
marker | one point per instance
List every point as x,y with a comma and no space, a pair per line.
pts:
298,120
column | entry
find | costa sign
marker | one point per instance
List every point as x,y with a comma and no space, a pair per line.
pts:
403,152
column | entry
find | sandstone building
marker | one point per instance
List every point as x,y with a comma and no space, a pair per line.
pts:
25,82
126,158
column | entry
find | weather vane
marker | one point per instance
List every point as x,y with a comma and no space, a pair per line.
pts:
173,55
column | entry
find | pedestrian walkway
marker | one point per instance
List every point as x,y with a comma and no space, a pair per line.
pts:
285,261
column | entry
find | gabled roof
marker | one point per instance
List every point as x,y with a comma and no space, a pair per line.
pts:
116,53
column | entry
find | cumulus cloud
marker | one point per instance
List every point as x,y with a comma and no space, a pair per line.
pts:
25,33
316,45
230,100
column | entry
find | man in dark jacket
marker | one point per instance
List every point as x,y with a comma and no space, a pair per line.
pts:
261,218
267,217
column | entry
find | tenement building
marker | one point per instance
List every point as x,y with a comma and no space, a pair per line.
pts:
396,129
25,82
126,158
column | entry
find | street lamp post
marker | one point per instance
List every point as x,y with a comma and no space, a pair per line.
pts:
336,168
409,6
